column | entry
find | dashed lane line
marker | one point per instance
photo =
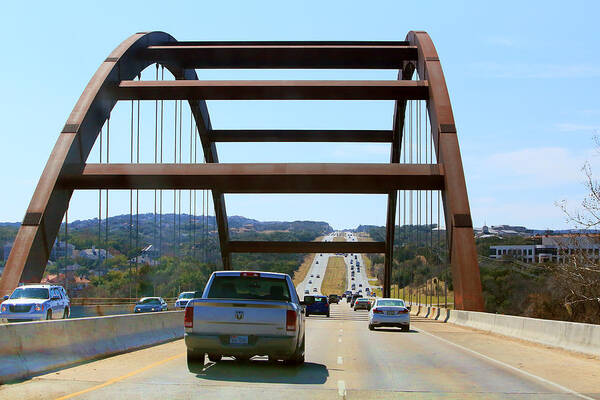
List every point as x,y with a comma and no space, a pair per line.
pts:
342,389
340,360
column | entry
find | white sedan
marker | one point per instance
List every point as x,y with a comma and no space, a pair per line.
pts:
389,312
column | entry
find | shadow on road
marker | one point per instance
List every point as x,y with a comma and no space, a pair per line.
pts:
394,330
260,371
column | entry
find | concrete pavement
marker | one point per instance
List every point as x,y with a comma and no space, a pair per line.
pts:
344,360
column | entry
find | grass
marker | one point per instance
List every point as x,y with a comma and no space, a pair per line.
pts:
429,299
303,269
334,281
364,237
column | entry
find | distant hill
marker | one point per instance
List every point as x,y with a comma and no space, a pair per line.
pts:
175,234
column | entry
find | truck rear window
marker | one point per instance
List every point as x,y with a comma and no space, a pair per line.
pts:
249,288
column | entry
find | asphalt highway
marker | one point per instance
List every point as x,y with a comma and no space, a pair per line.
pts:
312,283
343,360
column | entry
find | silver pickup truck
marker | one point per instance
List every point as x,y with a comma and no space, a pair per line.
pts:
244,314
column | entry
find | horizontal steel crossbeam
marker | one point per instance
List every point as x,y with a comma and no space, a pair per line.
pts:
273,55
259,178
272,90
290,135
305,247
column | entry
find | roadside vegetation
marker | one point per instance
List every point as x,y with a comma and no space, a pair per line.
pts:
334,281
300,273
190,252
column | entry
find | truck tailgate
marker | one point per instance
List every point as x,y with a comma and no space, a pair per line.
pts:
242,317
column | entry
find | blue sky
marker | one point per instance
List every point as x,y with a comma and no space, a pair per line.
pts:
523,79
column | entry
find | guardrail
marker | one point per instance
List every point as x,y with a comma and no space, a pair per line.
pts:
30,348
572,336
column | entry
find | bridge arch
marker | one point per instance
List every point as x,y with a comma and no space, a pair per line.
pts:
67,167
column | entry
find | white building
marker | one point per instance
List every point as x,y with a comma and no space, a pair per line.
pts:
94,254
552,249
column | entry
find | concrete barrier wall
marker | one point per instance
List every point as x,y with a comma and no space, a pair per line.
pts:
101,310
573,336
30,348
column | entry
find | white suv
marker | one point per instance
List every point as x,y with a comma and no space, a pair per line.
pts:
35,302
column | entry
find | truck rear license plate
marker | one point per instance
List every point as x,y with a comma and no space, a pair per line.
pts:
238,340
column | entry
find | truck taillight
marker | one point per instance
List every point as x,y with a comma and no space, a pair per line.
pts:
250,274
188,321
290,320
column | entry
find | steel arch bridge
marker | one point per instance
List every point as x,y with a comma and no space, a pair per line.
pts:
67,168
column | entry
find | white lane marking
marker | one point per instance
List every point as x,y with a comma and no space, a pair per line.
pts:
342,388
340,360
341,330
505,365
339,340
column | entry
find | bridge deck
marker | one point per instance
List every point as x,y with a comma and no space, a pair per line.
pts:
343,359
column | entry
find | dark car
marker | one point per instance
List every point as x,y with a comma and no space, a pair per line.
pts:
334,298
316,305
150,304
356,296
362,304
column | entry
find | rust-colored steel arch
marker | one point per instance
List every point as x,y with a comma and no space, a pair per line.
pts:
34,241
67,170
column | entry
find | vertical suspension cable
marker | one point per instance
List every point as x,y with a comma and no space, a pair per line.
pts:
106,201
179,192
161,161
100,199
175,191
418,121
130,248
190,214
155,161
195,192
66,246
137,197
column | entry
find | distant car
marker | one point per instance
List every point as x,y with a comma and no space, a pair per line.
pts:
318,276
310,281
356,257
354,298
150,304
389,312
334,298
362,304
314,289
360,285
316,305
312,276
352,278
316,262
183,299
353,286
35,302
